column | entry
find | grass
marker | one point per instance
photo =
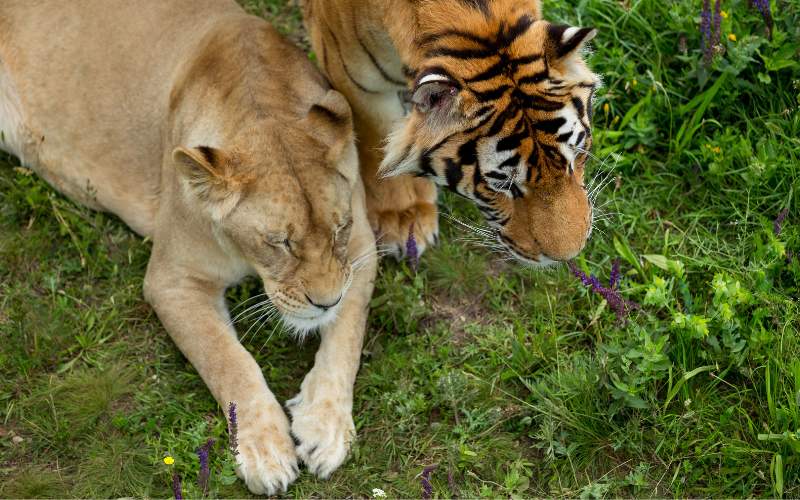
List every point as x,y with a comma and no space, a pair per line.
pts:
515,382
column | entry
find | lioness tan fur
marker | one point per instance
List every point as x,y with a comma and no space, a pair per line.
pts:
205,131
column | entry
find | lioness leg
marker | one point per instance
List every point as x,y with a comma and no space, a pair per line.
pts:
322,418
194,314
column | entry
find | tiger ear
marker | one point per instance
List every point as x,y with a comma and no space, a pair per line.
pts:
434,92
566,41
206,177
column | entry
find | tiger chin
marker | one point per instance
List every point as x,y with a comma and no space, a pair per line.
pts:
494,103
224,146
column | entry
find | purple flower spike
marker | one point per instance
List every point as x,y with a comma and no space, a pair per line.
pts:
205,472
616,302
613,281
777,226
705,30
425,479
766,12
176,487
717,35
233,429
412,252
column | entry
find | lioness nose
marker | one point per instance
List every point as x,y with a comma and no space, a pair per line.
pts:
324,307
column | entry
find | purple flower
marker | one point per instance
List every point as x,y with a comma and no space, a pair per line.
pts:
766,12
616,302
613,280
717,35
205,472
176,487
425,479
777,226
451,481
412,252
233,429
705,30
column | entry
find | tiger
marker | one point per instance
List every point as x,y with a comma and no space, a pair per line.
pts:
482,97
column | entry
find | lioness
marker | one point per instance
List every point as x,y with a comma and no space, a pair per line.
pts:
204,130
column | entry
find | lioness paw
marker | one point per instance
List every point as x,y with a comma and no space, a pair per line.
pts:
324,431
266,461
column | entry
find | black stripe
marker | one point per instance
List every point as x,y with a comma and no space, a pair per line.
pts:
527,59
425,165
534,78
491,95
468,153
549,126
462,53
537,102
500,176
520,28
453,174
511,142
501,119
435,37
564,137
573,42
375,62
511,162
489,73
516,192
344,65
579,107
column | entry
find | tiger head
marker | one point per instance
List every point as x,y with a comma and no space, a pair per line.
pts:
501,108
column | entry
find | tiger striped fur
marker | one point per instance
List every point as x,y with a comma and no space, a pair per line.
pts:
481,96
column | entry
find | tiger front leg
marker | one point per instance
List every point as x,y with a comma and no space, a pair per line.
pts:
396,206
193,313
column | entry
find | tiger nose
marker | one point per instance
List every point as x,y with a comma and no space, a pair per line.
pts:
324,307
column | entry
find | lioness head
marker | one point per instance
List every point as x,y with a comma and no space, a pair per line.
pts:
281,197
501,114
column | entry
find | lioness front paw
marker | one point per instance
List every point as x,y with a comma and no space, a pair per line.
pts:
266,459
324,431
396,207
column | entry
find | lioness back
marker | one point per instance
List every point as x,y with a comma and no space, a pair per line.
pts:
89,109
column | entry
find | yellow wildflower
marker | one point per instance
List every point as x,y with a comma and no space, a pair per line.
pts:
634,83
732,37
606,108
169,460
723,14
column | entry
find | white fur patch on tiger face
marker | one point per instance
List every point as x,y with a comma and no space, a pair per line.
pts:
500,175
572,135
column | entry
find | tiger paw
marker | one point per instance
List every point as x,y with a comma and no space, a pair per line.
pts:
399,207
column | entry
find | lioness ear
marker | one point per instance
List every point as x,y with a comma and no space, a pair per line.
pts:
206,175
331,121
567,41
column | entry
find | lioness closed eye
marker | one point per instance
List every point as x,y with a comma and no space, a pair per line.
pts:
202,129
